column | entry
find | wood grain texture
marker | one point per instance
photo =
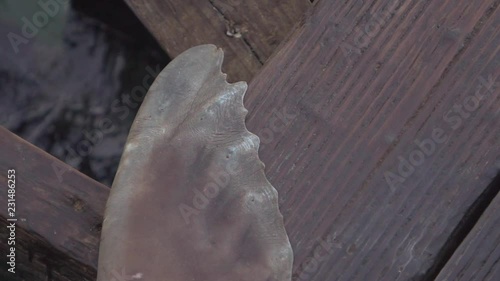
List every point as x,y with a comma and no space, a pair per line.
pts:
337,108
59,212
478,257
262,25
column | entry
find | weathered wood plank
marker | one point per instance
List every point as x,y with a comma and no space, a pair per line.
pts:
248,31
58,210
335,121
478,257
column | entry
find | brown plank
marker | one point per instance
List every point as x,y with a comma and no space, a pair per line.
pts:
248,31
336,109
478,257
58,210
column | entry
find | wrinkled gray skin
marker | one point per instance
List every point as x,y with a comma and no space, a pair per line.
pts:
190,200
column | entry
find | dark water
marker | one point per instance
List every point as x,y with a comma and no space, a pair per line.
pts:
72,76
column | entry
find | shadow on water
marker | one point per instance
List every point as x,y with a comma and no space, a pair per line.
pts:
72,75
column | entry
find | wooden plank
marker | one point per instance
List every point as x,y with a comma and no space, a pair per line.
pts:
478,257
346,99
248,31
59,214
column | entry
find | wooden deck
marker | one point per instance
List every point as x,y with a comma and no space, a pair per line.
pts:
59,213
248,30
380,127
478,256
385,150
